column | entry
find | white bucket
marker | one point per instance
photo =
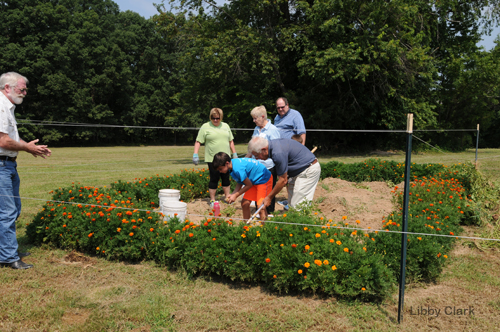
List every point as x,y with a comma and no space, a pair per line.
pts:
173,209
169,195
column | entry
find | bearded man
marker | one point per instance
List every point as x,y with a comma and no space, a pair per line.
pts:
13,88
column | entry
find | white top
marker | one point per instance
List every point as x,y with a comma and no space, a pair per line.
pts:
8,124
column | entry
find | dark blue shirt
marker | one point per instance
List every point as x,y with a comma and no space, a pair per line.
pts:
290,156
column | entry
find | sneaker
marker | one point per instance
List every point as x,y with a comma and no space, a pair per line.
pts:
270,216
283,203
286,207
212,204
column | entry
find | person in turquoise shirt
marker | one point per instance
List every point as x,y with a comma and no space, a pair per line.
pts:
217,137
254,181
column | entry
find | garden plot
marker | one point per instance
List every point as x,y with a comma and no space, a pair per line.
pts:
367,202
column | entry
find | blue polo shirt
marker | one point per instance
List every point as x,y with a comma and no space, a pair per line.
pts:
290,124
269,132
249,168
290,156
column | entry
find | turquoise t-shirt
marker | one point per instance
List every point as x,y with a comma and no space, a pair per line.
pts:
249,168
216,139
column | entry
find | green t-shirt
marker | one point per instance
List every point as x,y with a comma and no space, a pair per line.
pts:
216,139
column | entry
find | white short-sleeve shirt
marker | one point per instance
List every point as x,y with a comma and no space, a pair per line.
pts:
8,124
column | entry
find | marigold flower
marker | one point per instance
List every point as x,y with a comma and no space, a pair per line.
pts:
346,249
307,247
344,217
274,276
307,264
191,234
318,262
299,271
284,216
334,268
90,235
151,229
243,236
326,262
177,231
332,240
118,229
64,225
338,242
131,234
311,253
97,248
213,239
363,289
318,235
305,228
294,245
268,260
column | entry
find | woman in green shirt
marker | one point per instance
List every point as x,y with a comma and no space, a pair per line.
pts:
217,137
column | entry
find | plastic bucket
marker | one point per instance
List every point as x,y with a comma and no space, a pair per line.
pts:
173,209
169,195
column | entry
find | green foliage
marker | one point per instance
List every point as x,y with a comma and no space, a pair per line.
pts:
298,251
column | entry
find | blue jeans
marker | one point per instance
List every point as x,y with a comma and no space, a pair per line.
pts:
10,209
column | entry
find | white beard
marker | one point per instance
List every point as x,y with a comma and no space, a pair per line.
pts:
17,99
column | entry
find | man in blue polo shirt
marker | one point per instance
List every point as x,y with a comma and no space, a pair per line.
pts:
289,121
295,165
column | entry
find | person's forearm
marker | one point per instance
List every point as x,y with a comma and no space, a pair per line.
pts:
8,143
197,147
231,146
303,138
280,184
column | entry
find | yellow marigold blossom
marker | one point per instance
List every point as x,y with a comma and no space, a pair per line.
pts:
307,264
338,242
243,236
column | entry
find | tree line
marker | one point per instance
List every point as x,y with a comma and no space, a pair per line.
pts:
343,64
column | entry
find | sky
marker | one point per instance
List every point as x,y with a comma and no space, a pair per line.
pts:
146,9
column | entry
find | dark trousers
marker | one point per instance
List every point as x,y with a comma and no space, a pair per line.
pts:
270,208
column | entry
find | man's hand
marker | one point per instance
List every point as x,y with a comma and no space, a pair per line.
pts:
266,201
38,150
196,159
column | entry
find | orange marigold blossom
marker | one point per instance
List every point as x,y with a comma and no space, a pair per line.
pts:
318,262
118,230
363,289
346,249
299,271
307,265
151,229
177,231
326,262
318,235
294,245
131,234
334,267
268,260
191,234
307,247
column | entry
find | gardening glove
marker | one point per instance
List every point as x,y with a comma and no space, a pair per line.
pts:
196,159
235,155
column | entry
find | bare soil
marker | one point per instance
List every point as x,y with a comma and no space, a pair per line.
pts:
368,202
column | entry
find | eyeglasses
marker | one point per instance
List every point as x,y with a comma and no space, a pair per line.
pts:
280,107
22,90
215,118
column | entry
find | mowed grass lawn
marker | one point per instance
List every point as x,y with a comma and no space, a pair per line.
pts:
70,292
